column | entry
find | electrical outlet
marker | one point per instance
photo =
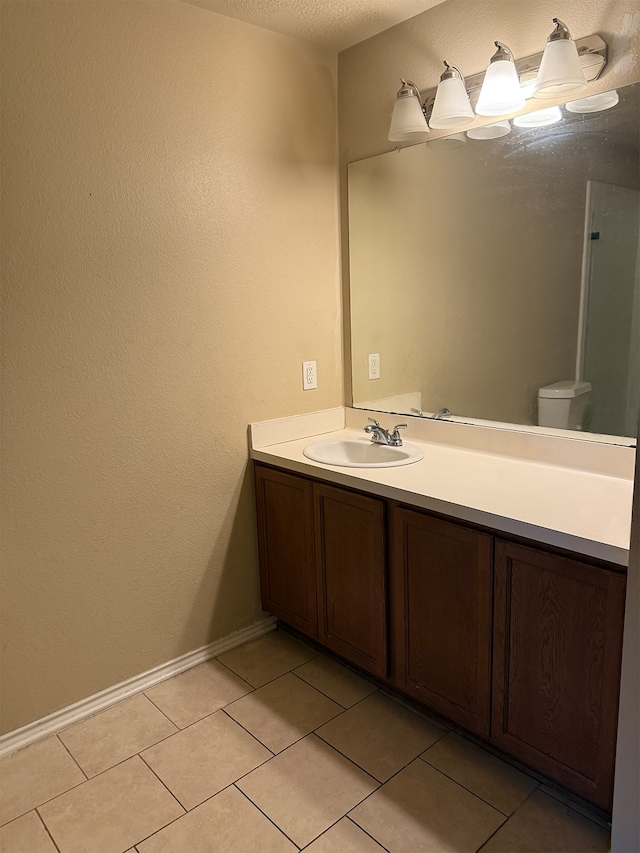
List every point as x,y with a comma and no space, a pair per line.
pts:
309,376
374,365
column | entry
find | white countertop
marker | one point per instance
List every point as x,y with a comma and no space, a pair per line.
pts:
551,490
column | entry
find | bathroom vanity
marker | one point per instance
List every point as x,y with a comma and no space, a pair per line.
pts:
504,626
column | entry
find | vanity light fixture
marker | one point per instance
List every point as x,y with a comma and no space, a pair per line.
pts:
560,71
408,122
500,93
452,107
539,118
502,90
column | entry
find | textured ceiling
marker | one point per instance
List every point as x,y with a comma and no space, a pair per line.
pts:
333,23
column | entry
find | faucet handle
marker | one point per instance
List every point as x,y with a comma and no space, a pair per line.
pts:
373,421
399,426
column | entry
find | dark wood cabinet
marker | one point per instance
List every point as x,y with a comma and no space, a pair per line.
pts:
351,576
556,666
285,546
323,564
521,647
441,593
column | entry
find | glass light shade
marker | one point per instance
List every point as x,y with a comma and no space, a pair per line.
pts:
451,107
490,131
448,143
539,118
408,123
560,71
594,103
500,93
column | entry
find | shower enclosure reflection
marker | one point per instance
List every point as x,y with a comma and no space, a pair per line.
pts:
485,272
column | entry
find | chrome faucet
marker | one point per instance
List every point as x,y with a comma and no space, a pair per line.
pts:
438,415
380,435
441,414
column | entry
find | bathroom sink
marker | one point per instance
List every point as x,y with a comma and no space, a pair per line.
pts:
361,453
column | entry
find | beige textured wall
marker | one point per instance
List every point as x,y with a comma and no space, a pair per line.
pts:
170,256
462,32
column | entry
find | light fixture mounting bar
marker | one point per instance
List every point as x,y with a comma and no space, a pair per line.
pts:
592,51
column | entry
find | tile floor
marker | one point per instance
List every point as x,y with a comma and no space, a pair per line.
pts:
272,748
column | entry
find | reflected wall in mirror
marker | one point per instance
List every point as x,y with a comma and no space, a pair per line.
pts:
484,270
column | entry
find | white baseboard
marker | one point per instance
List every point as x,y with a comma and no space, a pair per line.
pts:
53,723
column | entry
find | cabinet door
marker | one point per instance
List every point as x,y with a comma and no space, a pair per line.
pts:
285,544
351,576
441,588
556,666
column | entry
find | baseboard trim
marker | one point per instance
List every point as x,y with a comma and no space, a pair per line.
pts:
53,723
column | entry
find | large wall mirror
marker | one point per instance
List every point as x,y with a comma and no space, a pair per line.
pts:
484,270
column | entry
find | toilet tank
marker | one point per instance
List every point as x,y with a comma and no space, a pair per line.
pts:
562,404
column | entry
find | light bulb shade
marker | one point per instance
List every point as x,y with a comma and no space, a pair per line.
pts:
448,143
539,118
500,93
560,71
451,107
594,103
408,123
490,131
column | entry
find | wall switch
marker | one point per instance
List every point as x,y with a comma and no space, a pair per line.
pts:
309,376
374,365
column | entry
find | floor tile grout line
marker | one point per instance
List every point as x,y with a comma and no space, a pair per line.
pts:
72,757
380,784
257,687
164,714
133,755
408,705
164,785
272,822
359,766
46,802
366,832
302,681
475,793
235,674
582,810
171,822
285,748
504,823
317,689
180,729
46,829
324,693
255,737
335,823
293,743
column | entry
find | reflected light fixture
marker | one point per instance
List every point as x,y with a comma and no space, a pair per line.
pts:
501,92
448,143
560,71
408,122
452,107
490,131
594,103
539,118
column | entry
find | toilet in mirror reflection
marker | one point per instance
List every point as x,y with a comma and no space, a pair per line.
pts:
563,404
